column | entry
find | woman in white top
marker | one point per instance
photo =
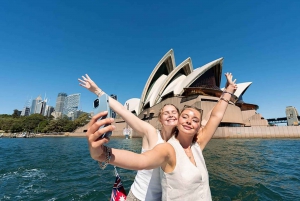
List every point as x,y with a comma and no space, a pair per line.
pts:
146,185
183,169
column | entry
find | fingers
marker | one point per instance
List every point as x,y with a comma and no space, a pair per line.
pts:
81,81
86,75
96,136
96,122
99,143
95,119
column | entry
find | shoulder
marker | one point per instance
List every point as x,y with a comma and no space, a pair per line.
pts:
166,148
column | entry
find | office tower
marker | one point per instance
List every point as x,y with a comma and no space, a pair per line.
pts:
60,102
34,104
25,111
48,110
40,107
71,104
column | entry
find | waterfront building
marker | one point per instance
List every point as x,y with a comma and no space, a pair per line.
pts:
48,110
60,102
200,87
34,109
40,107
292,116
74,115
71,104
25,111
183,85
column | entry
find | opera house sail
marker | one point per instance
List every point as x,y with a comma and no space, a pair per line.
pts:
183,85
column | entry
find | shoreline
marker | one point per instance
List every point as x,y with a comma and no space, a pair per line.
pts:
40,135
216,136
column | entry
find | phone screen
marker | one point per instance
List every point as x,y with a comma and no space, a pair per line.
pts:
102,104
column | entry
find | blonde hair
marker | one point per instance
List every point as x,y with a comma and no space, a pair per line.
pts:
161,111
183,109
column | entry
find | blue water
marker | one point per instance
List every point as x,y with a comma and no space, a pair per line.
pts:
62,169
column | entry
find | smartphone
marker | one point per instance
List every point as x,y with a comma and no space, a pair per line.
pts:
102,104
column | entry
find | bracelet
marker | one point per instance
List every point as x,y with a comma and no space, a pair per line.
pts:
224,99
228,92
107,151
100,93
233,97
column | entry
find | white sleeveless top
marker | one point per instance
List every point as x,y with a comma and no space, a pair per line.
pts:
187,181
146,185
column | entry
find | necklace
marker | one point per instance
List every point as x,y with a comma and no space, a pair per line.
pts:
188,153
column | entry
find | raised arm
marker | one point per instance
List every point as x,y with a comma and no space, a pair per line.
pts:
158,156
133,121
217,113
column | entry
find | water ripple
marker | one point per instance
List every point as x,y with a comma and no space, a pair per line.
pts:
56,169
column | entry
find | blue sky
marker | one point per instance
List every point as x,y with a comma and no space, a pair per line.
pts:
46,45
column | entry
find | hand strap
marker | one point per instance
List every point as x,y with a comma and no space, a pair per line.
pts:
107,151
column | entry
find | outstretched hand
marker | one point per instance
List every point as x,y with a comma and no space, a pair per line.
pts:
229,82
93,135
89,84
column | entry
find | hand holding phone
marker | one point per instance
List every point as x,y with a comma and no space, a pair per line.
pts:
102,104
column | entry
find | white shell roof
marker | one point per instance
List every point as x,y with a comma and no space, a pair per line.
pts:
188,68
174,86
196,74
169,54
155,90
133,104
241,88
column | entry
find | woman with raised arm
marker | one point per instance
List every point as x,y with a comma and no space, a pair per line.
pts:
183,171
146,185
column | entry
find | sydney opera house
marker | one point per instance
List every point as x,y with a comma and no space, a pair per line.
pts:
185,85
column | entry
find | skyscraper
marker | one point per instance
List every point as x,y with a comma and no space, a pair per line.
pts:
60,102
71,103
48,110
25,111
40,107
34,104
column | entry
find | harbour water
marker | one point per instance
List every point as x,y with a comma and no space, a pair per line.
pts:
62,169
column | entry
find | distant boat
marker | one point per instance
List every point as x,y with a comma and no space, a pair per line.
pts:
1,135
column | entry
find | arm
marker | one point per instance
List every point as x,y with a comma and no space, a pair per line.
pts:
216,114
133,121
158,156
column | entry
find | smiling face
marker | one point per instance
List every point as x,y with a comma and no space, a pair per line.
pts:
168,116
189,121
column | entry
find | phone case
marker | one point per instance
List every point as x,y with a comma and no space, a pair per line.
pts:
102,104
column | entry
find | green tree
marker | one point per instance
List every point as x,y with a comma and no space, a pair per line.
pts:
69,126
16,127
16,113
82,120
31,122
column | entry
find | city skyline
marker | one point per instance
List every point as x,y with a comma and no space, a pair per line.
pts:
49,45
67,106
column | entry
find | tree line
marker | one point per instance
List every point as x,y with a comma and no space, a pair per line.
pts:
38,123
